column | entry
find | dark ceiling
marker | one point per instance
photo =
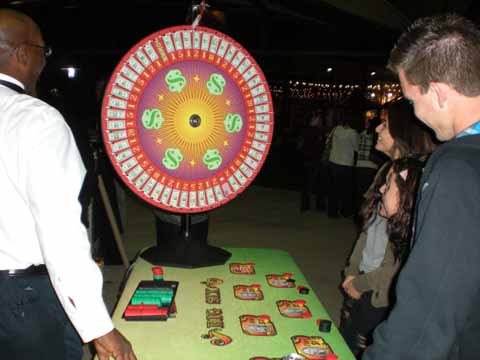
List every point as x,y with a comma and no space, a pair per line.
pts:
289,39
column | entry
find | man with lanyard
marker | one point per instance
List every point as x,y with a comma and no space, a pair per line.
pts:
438,291
42,241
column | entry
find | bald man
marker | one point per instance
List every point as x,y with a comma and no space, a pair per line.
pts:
48,280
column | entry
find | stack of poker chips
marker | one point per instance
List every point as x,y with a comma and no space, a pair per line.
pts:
160,297
152,300
157,273
324,325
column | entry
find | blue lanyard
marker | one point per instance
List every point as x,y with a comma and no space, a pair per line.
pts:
472,130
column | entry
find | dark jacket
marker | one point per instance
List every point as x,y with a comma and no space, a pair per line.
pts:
436,315
378,280
312,143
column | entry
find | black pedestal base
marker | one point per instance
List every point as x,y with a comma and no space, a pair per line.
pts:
182,242
191,256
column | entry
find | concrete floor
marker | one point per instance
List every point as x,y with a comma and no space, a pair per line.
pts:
263,218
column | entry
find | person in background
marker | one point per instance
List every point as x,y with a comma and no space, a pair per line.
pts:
48,279
310,145
436,313
367,283
367,163
344,144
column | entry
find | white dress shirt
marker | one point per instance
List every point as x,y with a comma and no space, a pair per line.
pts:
41,174
344,145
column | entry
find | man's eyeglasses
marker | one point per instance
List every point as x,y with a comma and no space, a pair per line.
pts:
47,50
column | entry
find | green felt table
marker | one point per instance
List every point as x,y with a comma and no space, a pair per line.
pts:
182,337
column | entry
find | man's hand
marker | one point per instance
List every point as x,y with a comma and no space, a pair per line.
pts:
114,344
350,289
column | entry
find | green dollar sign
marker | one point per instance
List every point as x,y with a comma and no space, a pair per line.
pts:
212,159
172,159
152,119
233,123
215,84
175,80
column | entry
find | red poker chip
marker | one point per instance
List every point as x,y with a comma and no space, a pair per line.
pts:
157,270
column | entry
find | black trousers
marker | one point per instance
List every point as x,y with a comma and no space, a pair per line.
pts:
340,195
33,324
314,182
359,318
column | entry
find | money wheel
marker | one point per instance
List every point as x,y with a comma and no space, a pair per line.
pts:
187,119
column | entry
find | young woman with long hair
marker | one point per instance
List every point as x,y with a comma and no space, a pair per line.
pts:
379,250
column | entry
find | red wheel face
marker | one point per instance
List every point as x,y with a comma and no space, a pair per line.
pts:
187,119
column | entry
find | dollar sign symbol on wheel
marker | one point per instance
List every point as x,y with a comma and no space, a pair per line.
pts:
152,119
215,84
233,123
175,80
212,159
172,159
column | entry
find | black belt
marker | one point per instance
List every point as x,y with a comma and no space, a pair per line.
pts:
30,271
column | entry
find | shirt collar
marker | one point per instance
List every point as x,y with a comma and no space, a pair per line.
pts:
471,130
12,80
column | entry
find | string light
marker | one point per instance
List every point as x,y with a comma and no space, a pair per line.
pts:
71,72
377,92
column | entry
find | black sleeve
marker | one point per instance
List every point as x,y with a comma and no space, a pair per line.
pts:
437,287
